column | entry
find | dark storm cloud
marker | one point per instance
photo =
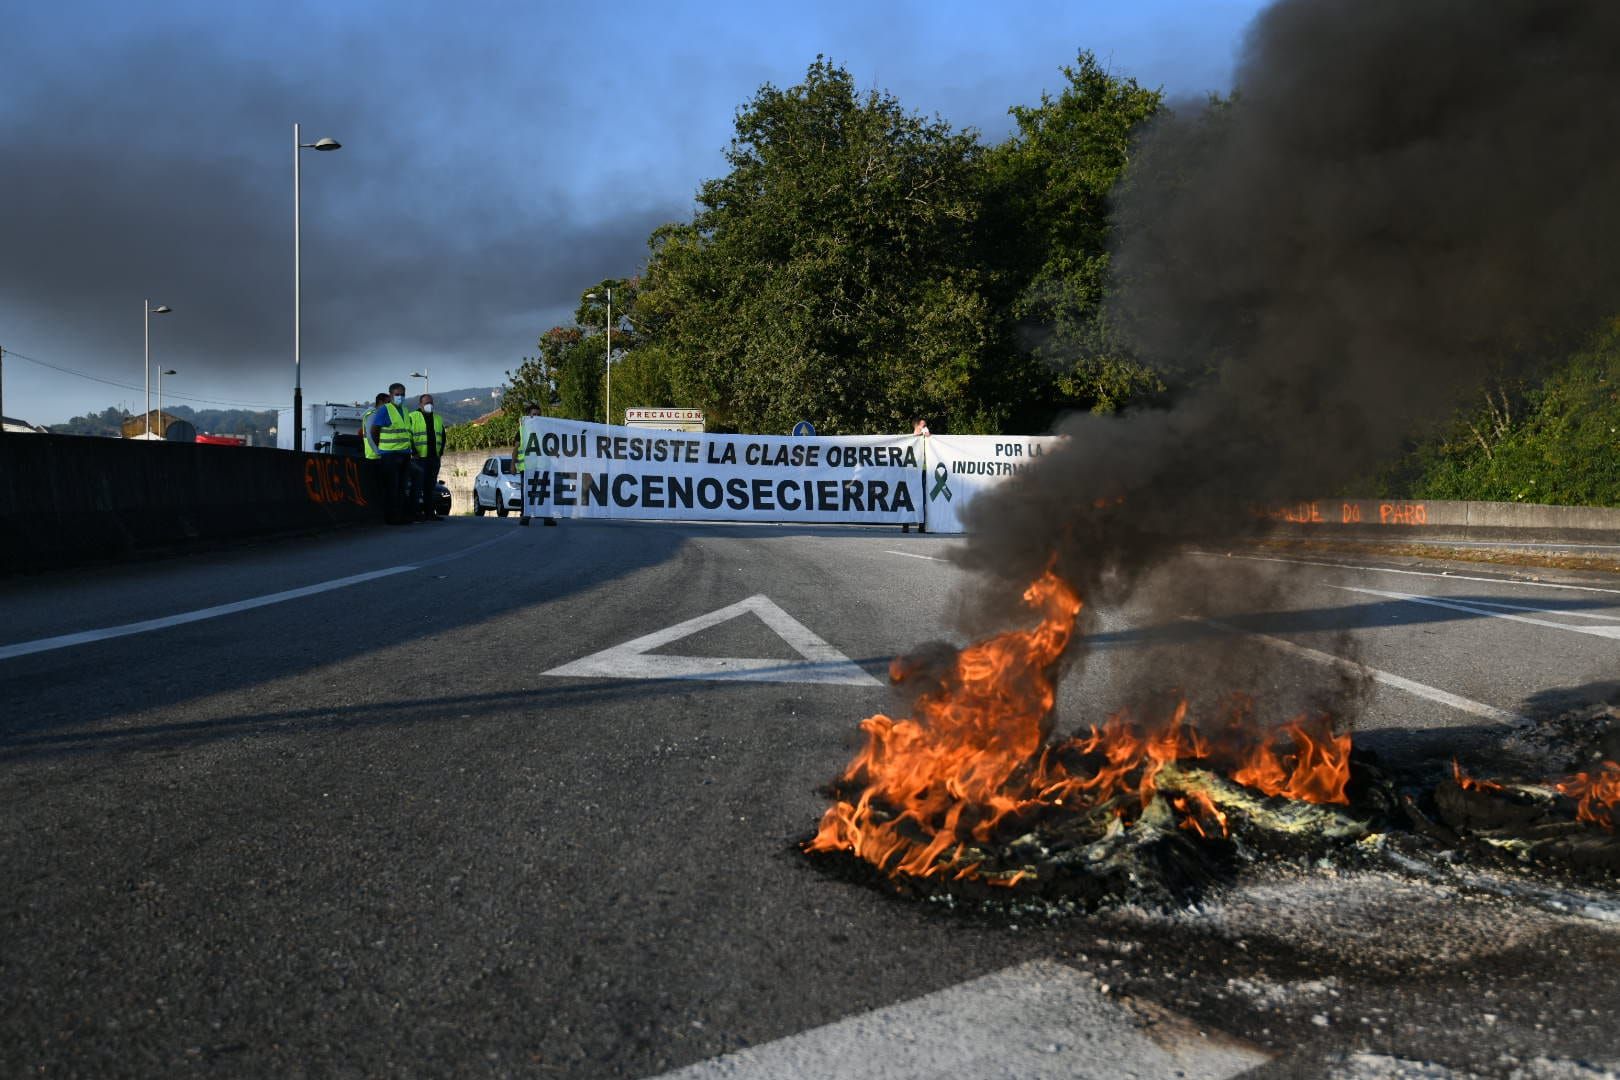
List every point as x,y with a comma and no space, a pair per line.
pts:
162,167
1405,198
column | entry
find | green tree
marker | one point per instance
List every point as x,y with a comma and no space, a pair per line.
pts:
1046,228
578,373
108,421
565,378
1552,440
646,376
497,432
830,275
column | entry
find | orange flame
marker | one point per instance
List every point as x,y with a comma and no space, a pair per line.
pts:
1469,783
961,766
1317,770
976,757
1200,814
1596,794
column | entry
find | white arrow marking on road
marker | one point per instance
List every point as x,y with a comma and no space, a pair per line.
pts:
635,660
1031,1022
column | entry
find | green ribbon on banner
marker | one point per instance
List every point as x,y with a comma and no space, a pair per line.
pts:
940,484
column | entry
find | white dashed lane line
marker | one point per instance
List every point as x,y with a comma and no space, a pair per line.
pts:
1410,573
1378,675
1610,632
85,637
914,555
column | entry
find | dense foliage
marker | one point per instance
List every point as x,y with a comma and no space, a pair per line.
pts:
861,266
1556,440
500,431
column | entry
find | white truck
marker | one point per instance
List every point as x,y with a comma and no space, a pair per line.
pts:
329,428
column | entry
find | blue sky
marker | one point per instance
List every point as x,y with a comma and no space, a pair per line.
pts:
498,158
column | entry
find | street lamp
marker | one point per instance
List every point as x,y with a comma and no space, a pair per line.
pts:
161,309
607,403
427,387
298,367
162,372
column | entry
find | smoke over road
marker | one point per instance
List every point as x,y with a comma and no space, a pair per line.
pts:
1400,199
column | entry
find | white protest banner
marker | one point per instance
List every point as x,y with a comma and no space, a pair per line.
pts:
962,467
573,469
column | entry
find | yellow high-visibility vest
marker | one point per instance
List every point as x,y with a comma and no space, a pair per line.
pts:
365,434
421,423
394,437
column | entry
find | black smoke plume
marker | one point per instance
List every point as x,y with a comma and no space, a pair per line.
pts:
1400,198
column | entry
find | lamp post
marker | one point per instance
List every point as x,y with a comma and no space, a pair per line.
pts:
607,401
298,367
427,386
161,309
162,372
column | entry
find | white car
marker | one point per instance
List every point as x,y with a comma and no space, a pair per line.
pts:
498,488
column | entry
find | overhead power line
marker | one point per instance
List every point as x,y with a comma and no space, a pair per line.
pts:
257,406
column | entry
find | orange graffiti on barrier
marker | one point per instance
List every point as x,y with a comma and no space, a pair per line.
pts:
1302,513
1403,514
1350,512
331,480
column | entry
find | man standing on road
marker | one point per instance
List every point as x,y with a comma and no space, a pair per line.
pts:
919,427
517,466
365,427
391,433
427,443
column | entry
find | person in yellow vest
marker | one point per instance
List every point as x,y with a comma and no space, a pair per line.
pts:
365,427
391,433
427,445
517,464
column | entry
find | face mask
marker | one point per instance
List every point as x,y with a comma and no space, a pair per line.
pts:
399,399
428,407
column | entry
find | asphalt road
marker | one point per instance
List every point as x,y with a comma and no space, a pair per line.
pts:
354,827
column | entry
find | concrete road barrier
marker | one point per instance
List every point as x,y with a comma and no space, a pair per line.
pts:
68,499
1437,520
459,470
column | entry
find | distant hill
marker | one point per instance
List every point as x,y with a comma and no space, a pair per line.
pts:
456,406
459,406
255,425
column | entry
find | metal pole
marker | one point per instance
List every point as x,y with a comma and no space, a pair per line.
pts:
608,405
146,417
2,389
298,365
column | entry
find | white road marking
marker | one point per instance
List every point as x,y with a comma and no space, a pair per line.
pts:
83,637
1542,610
1610,632
1388,678
914,555
1030,1022
1414,573
634,659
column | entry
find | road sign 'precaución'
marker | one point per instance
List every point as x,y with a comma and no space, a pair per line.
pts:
635,660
